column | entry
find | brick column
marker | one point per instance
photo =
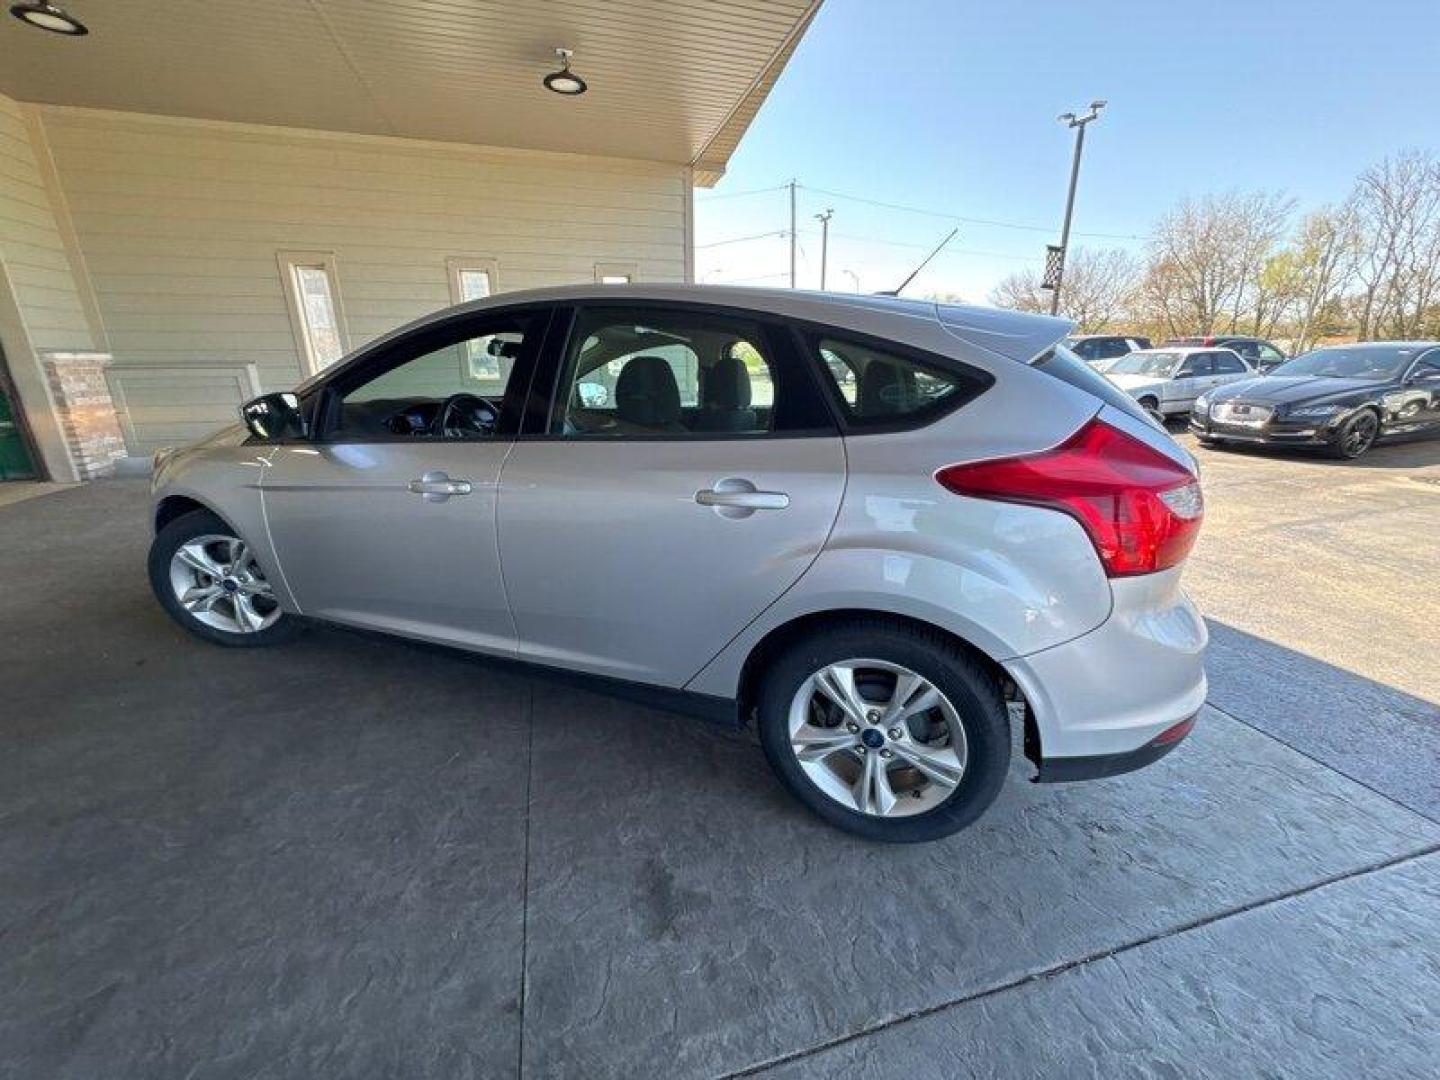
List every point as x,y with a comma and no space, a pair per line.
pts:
85,411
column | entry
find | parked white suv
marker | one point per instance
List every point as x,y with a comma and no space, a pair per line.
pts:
865,524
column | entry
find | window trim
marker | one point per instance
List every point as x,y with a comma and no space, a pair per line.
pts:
287,261
457,264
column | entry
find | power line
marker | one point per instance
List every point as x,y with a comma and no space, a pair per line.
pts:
740,194
926,247
771,235
946,216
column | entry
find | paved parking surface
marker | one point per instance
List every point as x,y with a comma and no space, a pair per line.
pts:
360,857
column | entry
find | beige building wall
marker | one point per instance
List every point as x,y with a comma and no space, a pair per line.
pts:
180,224
40,305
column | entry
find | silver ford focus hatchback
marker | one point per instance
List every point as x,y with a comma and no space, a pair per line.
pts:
881,530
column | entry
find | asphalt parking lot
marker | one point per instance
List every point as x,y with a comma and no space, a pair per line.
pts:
360,857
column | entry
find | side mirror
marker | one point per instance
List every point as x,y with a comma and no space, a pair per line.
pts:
275,416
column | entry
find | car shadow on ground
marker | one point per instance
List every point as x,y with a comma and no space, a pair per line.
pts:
1415,453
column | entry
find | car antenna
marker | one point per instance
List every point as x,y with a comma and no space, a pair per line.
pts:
923,263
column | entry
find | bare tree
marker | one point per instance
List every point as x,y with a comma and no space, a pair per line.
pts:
1398,206
1325,253
1098,288
1207,256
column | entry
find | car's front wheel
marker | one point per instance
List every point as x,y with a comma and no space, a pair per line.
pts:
1356,436
887,731
207,578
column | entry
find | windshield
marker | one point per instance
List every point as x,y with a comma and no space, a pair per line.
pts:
1376,363
1143,363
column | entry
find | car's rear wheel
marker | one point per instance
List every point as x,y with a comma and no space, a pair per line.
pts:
1151,406
886,731
207,578
1356,436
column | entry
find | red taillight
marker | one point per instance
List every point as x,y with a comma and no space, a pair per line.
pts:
1141,509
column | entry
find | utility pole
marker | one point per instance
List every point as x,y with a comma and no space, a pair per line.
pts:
824,220
1057,275
792,233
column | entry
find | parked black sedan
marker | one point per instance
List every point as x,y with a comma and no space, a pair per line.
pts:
1343,399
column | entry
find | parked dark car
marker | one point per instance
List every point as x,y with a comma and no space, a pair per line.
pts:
1095,348
1343,399
1261,354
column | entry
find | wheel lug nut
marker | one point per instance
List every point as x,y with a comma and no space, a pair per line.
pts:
860,750
852,728
873,716
886,754
894,733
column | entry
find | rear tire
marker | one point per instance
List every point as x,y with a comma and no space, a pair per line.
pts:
919,773
206,579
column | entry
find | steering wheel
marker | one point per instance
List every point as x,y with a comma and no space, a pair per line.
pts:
465,414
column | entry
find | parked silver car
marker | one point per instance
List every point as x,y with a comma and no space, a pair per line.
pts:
1166,382
869,525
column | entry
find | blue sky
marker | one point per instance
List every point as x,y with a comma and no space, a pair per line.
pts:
951,106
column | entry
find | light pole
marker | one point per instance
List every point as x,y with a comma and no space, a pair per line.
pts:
853,277
1078,123
824,220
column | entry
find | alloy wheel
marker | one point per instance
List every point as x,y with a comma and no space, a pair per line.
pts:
1357,438
877,738
217,581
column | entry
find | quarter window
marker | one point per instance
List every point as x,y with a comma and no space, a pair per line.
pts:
879,387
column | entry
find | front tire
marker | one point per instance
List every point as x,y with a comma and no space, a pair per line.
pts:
206,578
1356,436
886,731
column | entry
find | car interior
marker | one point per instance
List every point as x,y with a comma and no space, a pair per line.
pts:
454,392
644,380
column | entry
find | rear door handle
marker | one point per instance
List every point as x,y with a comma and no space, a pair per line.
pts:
734,497
436,486
744,500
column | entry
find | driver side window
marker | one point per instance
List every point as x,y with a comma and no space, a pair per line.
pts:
447,383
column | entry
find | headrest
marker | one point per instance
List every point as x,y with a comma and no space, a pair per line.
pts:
727,385
646,393
885,389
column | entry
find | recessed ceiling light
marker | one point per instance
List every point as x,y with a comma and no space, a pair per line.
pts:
565,81
49,17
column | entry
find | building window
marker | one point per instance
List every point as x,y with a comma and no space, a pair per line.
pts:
314,302
614,273
471,279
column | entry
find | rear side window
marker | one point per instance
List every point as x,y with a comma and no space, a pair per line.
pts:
1064,365
878,387
1226,364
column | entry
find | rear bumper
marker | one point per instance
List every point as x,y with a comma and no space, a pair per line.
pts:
1105,702
1099,766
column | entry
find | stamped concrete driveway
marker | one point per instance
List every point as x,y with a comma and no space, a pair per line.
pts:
356,857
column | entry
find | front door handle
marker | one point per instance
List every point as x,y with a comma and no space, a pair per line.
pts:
734,497
436,486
